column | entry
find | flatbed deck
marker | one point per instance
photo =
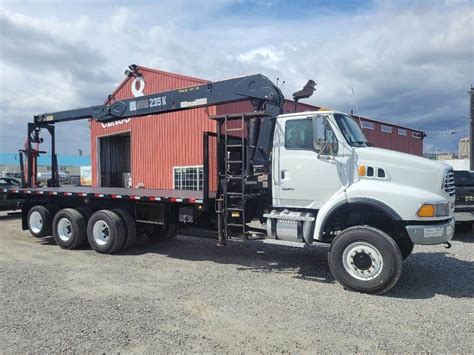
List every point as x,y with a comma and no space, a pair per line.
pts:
178,196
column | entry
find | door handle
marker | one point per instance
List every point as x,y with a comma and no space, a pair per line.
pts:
283,174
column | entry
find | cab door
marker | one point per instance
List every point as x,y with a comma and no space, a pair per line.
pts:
306,172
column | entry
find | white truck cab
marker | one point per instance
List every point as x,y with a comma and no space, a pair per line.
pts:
330,185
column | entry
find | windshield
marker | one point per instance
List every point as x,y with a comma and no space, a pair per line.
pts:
351,130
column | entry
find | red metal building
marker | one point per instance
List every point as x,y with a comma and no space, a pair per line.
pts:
391,136
142,151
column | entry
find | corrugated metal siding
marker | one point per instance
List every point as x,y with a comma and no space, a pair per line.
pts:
394,141
158,142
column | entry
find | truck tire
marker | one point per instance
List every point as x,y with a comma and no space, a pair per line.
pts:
106,232
365,259
406,247
40,221
130,226
157,233
69,228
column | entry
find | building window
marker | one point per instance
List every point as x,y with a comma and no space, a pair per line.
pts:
188,177
367,125
417,135
402,132
386,129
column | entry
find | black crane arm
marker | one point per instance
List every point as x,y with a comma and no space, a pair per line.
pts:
257,88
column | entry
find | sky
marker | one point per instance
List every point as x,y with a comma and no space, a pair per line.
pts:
406,62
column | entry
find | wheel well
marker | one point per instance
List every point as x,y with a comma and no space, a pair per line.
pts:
356,214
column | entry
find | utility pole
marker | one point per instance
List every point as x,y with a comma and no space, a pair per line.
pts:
471,136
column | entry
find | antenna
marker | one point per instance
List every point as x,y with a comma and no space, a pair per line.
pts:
282,83
356,106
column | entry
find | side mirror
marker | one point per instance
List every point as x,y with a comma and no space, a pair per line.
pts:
319,144
323,148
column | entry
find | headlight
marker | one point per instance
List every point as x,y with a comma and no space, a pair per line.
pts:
434,210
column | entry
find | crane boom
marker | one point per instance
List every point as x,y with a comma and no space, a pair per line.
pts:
257,88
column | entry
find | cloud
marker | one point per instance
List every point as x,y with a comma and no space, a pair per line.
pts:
408,64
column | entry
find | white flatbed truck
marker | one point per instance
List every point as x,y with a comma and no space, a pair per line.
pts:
308,177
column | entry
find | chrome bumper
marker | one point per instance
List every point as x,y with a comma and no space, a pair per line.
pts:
431,234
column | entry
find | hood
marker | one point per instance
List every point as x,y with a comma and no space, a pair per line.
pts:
405,168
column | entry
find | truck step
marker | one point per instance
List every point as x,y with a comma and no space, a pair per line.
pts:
234,209
234,145
235,225
233,161
234,129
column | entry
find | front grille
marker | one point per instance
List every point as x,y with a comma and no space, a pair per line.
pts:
448,183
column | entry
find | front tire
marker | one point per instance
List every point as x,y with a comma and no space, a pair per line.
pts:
365,259
69,229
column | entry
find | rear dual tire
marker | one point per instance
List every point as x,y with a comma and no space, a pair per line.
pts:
69,228
365,259
106,232
130,226
40,221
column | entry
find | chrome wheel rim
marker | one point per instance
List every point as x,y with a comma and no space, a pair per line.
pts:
101,232
362,261
64,229
36,222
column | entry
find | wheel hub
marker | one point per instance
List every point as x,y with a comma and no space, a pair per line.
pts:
64,229
36,222
101,232
362,261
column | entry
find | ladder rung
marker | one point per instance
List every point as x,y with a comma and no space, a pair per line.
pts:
234,225
234,145
234,129
234,161
236,177
235,193
234,209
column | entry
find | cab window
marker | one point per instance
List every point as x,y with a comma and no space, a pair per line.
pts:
299,134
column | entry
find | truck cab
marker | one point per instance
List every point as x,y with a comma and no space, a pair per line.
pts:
328,181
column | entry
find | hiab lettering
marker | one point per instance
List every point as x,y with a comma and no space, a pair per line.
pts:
147,103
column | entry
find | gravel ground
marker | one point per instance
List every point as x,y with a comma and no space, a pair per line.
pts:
189,295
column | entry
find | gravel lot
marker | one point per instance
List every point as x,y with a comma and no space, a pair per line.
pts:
189,295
